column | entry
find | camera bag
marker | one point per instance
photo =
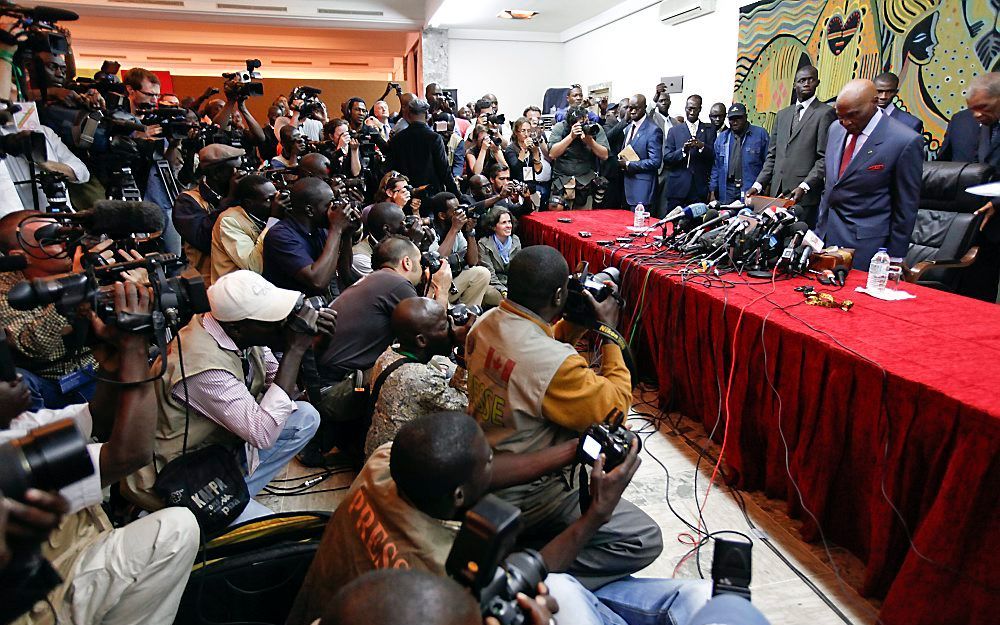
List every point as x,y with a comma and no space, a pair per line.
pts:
209,482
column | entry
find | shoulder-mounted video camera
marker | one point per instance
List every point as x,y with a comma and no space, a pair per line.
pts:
248,85
38,32
477,560
310,100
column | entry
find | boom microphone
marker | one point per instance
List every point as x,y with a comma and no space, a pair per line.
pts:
53,14
115,218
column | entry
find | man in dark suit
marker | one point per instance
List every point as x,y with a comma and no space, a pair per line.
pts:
797,148
873,175
418,153
740,151
887,86
973,136
661,117
646,140
688,156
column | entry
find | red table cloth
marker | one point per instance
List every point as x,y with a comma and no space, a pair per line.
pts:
891,411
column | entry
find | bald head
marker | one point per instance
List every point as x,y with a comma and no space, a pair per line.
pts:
856,104
314,164
983,98
402,597
311,193
383,219
421,323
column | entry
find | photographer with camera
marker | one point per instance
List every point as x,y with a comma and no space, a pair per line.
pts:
364,311
306,107
454,145
345,159
307,249
525,153
515,196
456,242
293,146
484,150
113,575
403,504
419,153
45,346
196,210
238,233
426,380
212,399
576,148
384,219
574,98
234,111
549,398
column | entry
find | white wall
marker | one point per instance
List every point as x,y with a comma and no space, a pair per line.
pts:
517,72
634,52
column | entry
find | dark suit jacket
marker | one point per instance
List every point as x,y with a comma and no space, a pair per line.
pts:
794,158
875,203
640,176
684,181
754,152
909,120
419,153
961,139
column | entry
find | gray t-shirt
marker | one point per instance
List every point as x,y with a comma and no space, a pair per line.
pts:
577,160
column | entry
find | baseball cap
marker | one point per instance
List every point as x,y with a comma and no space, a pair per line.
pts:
217,153
737,110
728,610
247,295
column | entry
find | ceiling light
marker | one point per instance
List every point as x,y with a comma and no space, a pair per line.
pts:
517,14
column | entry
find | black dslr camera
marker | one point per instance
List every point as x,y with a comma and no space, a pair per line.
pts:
498,119
302,318
578,309
578,115
47,458
610,438
487,535
248,87
431,261
460,313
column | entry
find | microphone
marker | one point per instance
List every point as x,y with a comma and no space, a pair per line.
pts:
802,255
115,218
691,211
53,14
799,230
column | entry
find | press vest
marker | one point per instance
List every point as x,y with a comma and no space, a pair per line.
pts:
201,353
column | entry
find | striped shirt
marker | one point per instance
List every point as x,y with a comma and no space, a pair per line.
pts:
221,397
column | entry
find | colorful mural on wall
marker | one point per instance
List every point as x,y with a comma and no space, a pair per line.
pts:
935,46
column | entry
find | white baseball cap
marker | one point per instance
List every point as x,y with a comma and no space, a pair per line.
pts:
247,295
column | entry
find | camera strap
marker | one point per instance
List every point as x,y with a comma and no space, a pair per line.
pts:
381,380
607,332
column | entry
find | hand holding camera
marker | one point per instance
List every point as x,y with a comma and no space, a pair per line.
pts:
458,220
311,317
538,611
343,216
608,481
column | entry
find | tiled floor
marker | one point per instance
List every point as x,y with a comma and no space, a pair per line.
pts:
673,440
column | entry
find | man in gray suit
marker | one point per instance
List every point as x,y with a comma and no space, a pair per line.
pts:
795,158
887,86
873,175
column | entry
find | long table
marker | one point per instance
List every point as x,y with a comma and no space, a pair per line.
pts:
890,411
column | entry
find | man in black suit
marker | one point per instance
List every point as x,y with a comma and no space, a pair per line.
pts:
796,154
688,156
418,153
973,136
887,86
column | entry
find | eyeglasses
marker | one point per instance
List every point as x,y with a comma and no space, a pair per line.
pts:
150,94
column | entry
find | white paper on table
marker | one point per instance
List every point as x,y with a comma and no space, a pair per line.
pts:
889,295
990,189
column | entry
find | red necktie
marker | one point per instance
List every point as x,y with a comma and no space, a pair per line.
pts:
845,160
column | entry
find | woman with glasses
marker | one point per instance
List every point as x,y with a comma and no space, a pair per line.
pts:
525,156
481,151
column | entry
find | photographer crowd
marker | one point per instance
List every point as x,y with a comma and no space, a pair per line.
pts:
191,300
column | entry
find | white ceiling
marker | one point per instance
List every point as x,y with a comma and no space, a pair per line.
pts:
554,16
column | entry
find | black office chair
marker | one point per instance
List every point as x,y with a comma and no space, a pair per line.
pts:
944,235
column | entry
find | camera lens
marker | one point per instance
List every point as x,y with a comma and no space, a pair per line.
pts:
48,458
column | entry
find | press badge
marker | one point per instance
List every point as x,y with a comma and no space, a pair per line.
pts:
76,379
528,173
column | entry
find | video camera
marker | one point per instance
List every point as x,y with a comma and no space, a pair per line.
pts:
310,100
173,121
248,87
175,299
578,115
476,560
578,309
38,32
26,143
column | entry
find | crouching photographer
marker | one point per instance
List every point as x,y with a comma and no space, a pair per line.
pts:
545,402
132,574
439,468
218,422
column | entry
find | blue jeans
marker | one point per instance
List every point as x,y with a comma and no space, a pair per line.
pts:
631,601
45,393
156,192
298,430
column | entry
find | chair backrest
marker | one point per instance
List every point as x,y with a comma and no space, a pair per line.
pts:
941,235
944,185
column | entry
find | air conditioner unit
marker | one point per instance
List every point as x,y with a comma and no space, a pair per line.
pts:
679,11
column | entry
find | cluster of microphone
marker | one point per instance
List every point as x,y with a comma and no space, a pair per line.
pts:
761,242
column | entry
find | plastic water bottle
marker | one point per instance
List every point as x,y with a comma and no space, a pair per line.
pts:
878,271
639,218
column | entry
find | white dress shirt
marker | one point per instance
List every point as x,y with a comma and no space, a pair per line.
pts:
11,172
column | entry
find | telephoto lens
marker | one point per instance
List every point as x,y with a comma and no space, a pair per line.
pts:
47,458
